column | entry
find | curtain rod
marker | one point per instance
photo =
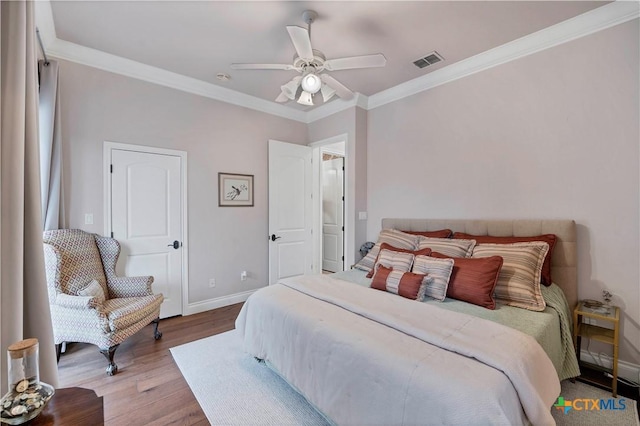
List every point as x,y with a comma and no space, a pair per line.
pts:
44,54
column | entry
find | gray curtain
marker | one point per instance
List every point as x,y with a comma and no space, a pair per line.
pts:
24,305
50,148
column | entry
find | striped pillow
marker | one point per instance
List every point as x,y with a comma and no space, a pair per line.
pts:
519,279
449,247
390,236
395,260
385,246
439,270
405,284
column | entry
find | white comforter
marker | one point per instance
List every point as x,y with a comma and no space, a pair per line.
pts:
363,356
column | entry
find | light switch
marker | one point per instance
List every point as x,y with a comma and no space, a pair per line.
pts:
362,215
88,218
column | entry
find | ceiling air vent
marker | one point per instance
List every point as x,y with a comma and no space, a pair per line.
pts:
431,58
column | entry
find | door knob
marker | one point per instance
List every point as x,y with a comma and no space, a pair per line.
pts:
175,244
273,237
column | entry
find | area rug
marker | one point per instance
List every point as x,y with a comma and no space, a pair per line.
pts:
234,389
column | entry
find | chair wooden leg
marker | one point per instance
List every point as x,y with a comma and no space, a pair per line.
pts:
112,368
58,352
157,334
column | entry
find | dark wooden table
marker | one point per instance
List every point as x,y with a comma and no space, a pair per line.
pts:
72,406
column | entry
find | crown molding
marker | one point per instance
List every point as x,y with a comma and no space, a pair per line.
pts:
336,106
590,22
604,17
95,58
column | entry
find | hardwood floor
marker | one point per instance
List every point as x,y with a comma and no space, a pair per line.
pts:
148,388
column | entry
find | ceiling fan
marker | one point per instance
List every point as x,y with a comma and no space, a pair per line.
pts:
313,67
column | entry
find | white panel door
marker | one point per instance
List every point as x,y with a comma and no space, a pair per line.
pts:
333,215
146,219
290,214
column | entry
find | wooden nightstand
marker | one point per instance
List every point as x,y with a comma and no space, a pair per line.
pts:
607,335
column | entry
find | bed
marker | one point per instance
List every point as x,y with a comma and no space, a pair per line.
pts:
362,356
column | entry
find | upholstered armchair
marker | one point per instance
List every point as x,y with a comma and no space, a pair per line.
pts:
89,303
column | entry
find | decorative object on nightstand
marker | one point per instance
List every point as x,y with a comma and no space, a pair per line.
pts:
583,317
27,395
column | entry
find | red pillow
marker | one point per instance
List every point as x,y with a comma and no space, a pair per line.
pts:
405,284
386,246
443,233
473,280
546,238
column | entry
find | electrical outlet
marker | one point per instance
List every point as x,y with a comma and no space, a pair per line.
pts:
243,276
212,282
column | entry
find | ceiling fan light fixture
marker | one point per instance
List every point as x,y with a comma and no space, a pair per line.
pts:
327,92
305,98
290,89
311,83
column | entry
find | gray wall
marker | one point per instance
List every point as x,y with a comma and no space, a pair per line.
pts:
551,135
98,106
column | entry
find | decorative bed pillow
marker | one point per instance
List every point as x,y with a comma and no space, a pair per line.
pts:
546,238
442,233
405,284
438,269
93,289
474,280
452,248
519,279
390,236
388,247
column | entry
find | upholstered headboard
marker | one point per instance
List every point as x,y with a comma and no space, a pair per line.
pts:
564,260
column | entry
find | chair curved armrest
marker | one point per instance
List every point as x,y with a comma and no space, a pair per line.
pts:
78,302
130,286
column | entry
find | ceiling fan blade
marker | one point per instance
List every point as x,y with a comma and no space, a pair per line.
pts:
301,42
262,67
341,89
282,98
366,61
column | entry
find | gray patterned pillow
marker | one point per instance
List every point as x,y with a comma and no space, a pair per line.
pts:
519,280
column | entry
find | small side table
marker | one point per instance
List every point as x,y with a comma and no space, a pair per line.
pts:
607,335
72,406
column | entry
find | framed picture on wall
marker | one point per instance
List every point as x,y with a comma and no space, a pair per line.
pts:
235,190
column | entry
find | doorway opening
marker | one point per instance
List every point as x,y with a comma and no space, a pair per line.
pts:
329,155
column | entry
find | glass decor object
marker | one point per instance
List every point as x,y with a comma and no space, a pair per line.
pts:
27,395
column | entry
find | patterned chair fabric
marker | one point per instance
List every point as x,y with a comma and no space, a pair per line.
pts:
73,259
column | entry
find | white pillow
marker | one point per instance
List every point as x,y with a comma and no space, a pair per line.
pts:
93,289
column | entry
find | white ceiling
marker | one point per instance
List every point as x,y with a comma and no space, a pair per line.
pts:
202,38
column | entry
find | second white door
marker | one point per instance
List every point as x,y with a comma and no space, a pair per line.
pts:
290,214
333,215
146,208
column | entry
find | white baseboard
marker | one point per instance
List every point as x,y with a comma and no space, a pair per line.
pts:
626,370
218,302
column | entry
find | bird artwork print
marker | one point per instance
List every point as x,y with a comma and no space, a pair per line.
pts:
236,191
